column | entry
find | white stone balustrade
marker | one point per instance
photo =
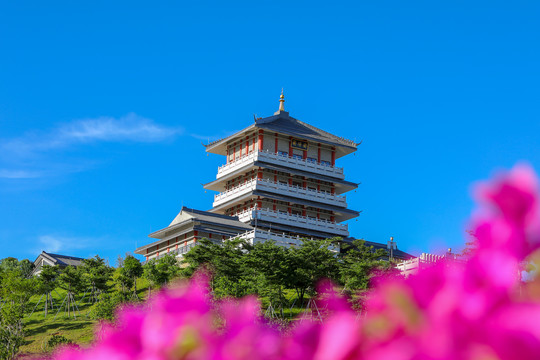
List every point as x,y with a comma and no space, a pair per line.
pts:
284,160
278,188
294,220
281,239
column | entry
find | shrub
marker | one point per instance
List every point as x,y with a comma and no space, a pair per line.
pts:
106,307
57,340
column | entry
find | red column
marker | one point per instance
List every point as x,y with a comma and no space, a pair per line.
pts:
247,145
289,209
332,218
290,181
261,139
259,204
290,146
319,153
195,233
318,185
276,143
259,174
234,152
333,162
304,183
318,214
240,147
304,212
274,205
275,176
227,155
304,155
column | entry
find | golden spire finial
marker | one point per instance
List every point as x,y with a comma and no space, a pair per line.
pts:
281,101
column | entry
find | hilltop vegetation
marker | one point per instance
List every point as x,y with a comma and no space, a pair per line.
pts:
65,305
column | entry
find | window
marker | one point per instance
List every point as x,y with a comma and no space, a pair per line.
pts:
310,159
326,163
296,156
297,184
283,153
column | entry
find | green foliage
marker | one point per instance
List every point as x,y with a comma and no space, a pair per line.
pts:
71,279
15,291
161,271
105,309
224,261
96,275
11,330
47,278
23,267
57,340
127,273
358,263
269,265
311,262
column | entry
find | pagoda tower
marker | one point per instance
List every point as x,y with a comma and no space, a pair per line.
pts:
279,182
280,177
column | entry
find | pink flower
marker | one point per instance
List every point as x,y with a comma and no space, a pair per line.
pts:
471,310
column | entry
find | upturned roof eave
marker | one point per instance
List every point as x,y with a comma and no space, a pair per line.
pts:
350,145
215,144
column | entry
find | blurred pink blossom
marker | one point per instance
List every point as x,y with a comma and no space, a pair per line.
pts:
471,310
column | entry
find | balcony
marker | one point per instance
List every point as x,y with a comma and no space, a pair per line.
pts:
282,189
281,239
257,236
294,220
283,160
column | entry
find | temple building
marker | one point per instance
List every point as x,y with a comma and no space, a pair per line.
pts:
61,261
279,182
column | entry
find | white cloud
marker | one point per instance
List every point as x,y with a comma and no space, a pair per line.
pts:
55,244
31,155
130,127
19,174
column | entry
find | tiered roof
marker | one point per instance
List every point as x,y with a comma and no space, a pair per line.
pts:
282,123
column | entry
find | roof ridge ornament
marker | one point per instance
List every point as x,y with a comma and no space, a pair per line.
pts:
281,103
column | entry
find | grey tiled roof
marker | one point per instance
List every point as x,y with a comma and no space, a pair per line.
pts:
289,125
62,260
218,219
285,124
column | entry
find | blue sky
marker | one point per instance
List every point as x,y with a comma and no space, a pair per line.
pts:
103,107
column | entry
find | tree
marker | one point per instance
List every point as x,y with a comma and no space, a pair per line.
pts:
311,262
46,283
268,264
96,275
25,266
15,292
159,272
224,261
358,262
130,271
70,279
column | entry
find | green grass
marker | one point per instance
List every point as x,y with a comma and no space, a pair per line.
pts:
39,329
80,330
